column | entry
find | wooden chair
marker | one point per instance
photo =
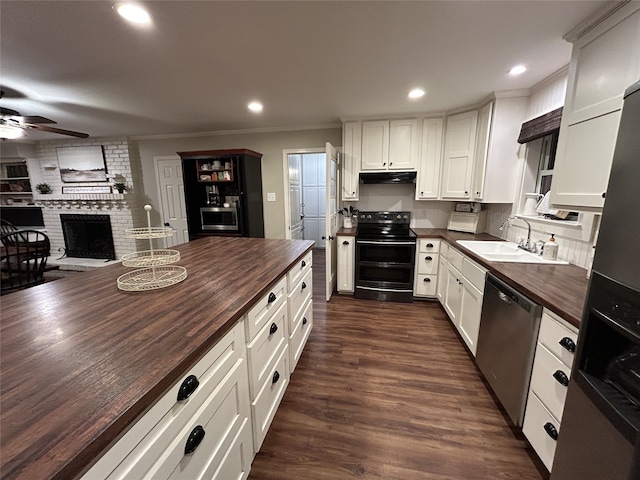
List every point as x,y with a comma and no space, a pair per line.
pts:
7,227
23,259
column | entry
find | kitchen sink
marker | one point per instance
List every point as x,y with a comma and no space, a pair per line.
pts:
495,251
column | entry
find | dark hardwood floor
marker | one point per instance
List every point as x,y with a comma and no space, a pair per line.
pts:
387,391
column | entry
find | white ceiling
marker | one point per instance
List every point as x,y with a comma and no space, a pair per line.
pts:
201,62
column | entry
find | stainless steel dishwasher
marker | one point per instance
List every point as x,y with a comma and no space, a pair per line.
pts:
506,344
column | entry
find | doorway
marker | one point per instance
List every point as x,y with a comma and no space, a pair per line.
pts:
306,217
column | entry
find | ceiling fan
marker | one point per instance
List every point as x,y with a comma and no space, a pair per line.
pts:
12,120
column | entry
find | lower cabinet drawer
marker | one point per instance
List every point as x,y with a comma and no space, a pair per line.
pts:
547,380
539,426
426,285
219,419
299,295
237,461
427,263
300,334
261,312
264,407
263,350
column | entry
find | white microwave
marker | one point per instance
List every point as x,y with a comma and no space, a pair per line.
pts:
219,218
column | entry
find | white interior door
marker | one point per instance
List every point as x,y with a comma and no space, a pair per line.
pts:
295,197
314,180
171,189
331,217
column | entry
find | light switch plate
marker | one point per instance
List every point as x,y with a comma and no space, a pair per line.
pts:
271,197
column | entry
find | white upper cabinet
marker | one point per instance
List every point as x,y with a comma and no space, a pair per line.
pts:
390,145
496,166
403,144
457,165
351,154
605,60
375,145
428,179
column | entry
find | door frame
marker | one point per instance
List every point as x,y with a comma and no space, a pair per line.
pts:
287,194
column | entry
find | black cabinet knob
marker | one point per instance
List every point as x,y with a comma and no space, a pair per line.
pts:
273,329
428,258
304,320
568,344
275,378
195,437
561,377
304,264
304,285
427,280
551,430
272,298
345,243
604,194
466,192
188,386
421,193
429,245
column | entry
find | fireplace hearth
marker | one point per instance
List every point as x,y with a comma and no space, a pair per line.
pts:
88,236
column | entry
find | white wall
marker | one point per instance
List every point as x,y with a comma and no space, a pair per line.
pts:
270,145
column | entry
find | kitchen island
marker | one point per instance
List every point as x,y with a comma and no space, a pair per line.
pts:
82,360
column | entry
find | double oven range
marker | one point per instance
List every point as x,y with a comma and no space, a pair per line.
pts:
385,256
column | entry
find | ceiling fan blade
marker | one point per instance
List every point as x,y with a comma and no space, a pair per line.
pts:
35,119
44,128
7,112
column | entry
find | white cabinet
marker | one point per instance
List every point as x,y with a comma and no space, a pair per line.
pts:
403,144
443,276
375,145
426,268
549,380
428,178
461,292
605,60
390,145
457,164
300,314
496,165
473,277
346,263
351,157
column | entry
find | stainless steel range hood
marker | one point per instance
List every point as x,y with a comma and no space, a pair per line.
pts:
388,177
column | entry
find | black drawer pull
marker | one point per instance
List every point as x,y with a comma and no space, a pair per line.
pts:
427,280
304,320
304,285
561,377
345,243
188,386
428,258
568,344
429,245
275,378
272,298
273,329
195,437
304,264
551,430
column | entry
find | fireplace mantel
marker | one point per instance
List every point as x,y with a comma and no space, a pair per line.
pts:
80,200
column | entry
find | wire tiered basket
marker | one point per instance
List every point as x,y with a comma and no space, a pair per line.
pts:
154,269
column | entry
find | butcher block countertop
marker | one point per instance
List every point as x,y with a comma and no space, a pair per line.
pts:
560,288
81,360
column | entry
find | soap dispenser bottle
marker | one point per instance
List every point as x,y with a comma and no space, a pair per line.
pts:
550,250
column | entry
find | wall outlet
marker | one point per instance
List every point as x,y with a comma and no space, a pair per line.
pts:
271,197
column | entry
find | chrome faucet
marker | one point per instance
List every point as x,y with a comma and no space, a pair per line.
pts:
524,244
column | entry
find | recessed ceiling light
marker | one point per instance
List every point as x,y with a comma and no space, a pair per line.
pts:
517,70
416,93
255,107
133,13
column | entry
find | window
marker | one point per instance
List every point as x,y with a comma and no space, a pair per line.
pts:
546,163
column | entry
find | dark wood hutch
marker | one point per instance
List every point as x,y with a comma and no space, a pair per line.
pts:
223,192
